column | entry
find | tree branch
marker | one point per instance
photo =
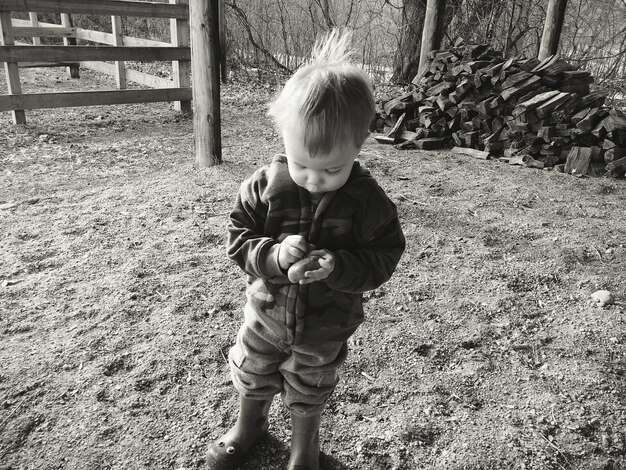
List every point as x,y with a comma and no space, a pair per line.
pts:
243,19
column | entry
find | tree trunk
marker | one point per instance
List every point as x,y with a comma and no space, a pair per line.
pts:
552,28
324,6
408,54
258,45
433,31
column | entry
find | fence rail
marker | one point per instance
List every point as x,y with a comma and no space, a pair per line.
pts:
23,28
91,98
118,48
83,53
100,7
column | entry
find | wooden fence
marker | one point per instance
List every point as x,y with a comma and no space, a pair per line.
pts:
119,48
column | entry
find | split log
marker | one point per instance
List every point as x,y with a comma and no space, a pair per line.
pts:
494,148
471,152
532,103
613,154
528,64
431,143
532,163
461,91
383,139
578,161
521,88
547,107
593,117
552,65
443,87
471,139
597,154
593,100
615,120
618,136
412,124
617,168
452,111
407,135
444,102
493,70
397,125
516,78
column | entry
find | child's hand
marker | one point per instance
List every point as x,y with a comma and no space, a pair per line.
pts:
292,249
327,265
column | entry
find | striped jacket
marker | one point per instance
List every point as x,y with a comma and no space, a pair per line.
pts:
358,223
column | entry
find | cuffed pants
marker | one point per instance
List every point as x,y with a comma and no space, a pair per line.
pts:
262,365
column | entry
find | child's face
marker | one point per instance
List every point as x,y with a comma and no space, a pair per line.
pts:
321,174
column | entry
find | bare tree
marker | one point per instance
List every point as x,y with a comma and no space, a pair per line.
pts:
408,52
387,33
324,7
553,24
258,44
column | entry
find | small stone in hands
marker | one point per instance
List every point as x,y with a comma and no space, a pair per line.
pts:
297,271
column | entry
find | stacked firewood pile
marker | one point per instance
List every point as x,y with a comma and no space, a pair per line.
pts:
522,111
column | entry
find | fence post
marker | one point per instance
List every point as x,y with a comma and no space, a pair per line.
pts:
11,68
222,20
120,68
34,22
73,70
179,36
206,84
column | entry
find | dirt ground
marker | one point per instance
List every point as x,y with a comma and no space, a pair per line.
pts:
118,303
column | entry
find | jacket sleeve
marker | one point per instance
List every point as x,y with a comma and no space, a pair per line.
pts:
373,261
254,252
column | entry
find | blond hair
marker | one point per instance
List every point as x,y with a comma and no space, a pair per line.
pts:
332,96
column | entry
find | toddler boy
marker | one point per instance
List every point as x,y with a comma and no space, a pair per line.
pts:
312,231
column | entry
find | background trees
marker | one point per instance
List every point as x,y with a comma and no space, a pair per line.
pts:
388,32
276,35
287,29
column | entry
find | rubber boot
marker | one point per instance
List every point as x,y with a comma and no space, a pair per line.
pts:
305,443
229,451
252,420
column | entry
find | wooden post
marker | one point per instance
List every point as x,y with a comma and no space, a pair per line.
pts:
34,22
179,36
432,33
555,16
11,68
222,8
73,70
120,68
206,84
